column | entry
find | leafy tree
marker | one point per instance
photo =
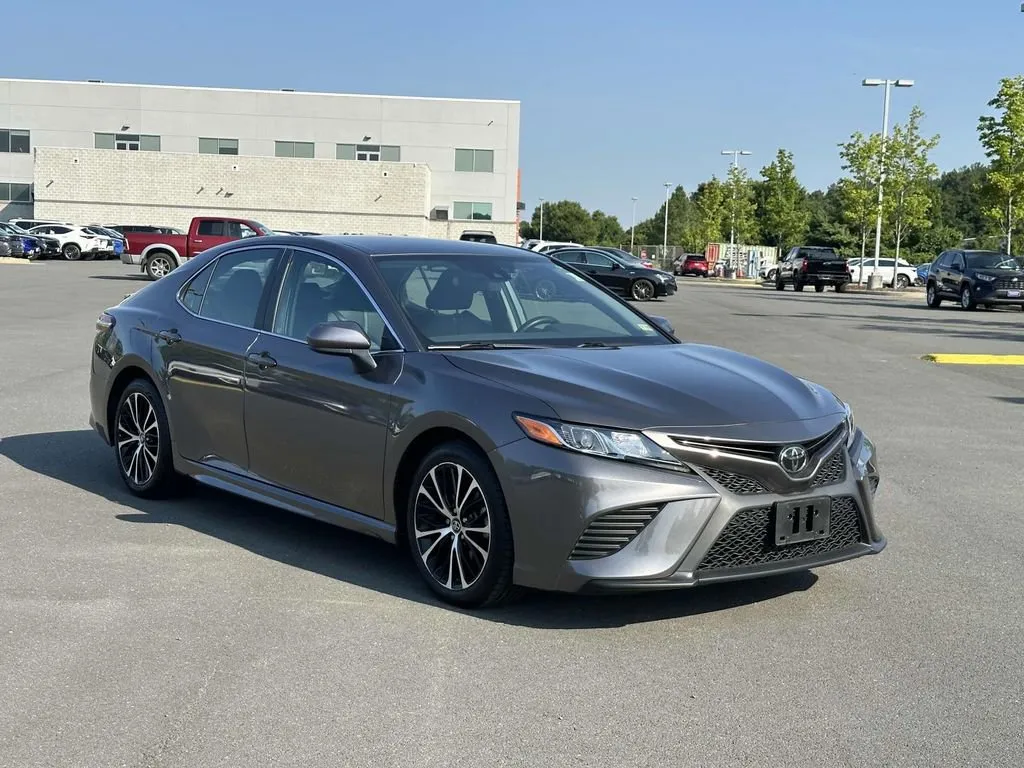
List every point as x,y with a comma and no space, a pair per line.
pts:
908,172
710,203
565,220
858,190
1002,136
680,211
741,211
958,202
783,215
609,231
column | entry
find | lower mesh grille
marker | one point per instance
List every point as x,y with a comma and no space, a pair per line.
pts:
749,538
609,533
873,480
832,471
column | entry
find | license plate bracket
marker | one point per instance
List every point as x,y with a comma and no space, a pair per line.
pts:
802,520
1013,294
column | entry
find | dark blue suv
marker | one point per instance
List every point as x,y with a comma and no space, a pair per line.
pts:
973,278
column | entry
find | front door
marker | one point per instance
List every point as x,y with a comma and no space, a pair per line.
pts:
316,424
202,356
606,271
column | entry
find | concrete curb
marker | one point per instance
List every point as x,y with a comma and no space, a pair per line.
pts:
747,283
12,260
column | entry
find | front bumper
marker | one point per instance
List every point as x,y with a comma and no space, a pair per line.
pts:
699,532
667,288
992,293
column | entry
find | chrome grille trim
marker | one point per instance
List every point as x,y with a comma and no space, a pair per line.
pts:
754,450
610,532
832,472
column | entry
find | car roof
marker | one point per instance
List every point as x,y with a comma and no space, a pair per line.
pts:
392,245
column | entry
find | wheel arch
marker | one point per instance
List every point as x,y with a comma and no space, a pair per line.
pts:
155,248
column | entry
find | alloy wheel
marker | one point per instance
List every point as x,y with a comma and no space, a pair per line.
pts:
643,290
966,299
138,438
452,523
72,252
158,267
902,282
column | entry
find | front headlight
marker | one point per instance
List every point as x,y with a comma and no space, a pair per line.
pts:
851,425
660,277
598,441
985,278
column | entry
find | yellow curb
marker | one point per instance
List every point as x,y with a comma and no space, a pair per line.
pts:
950,359
9,260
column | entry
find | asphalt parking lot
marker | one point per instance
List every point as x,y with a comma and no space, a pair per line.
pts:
213,631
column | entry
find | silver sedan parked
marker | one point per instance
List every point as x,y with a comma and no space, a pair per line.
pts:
427,393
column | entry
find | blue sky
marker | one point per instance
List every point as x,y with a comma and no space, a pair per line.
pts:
617,97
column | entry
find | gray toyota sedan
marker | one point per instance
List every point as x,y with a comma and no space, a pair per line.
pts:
502,416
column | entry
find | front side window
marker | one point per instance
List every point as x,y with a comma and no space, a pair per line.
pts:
236,286
473,211
508,299
15,141
599,260
218,146
474,160
317,290
293,149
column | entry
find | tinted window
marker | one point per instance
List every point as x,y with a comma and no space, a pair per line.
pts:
236,286
195,289
571,257
599,259
958,261
317,290
991,260
212,228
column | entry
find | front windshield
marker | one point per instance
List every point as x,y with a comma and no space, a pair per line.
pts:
12,229
992,260
480,299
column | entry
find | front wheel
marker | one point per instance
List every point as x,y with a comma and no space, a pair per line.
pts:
932,296
458,528
797,285
771,274
142,442
71,252
779,285
642,290
967,298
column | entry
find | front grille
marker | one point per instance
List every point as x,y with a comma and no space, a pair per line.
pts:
1006,283
749,538
832,471
769,451
609,533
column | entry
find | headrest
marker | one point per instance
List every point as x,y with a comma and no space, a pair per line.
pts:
454,291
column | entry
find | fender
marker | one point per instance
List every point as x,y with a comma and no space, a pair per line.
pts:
163,247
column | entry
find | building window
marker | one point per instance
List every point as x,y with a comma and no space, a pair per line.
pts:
370,152
218,146
131,142
16,193
293,149
474,211
14,141
479,160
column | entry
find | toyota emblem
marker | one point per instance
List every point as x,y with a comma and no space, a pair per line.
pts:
793,458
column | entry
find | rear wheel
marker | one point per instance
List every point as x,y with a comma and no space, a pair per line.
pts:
819,288
458,528
142,442
779,285
771,274
797,285
967,298
902,282
932,296
841,288
71,252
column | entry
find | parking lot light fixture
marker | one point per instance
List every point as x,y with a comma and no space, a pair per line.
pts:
632,227
871,83
668,187
540,235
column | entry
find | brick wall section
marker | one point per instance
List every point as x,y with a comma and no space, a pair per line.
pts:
168,189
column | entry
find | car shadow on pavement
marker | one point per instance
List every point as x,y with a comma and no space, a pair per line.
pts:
79,458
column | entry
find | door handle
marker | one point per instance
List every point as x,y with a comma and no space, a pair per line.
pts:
197,241
169,337
261,360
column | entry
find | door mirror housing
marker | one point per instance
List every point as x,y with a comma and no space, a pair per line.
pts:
663,323
342,338
616,265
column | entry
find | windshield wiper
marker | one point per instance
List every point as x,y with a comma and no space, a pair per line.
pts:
595,345
480,345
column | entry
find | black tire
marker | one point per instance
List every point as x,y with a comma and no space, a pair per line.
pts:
771,274
841,288
492,583
71,252
642,290
779,285
932,296
797,285
902,282
151,475
819,288
967,298
158,265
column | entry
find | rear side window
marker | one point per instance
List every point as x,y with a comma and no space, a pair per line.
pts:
236,286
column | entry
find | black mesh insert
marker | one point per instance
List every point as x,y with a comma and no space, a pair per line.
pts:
609,533
749,538
832,471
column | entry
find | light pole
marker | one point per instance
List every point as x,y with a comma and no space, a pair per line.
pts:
874,82
668,186
632,227
541,234
732,228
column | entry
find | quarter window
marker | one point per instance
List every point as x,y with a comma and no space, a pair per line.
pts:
15,141
475,211
236,286
218,146
316,290
478,160
192,295
293,149
131,142
16,193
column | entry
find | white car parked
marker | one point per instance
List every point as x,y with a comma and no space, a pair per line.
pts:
906,273
77,242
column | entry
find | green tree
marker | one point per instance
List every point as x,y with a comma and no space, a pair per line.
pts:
710,204
741,210
858,190
565,220
959,203
784,216
908,173
1002,136
609,231
680,211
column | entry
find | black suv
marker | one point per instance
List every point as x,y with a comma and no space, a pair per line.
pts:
811,265
628,277
987,278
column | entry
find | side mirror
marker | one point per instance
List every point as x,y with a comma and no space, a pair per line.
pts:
663,323
616,265
342,338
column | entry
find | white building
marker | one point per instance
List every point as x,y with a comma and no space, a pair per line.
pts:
93,152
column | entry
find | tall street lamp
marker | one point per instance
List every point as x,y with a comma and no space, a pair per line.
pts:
735,164
541,234
632,227
668,186
873,83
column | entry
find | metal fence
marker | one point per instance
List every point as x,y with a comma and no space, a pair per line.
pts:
746,260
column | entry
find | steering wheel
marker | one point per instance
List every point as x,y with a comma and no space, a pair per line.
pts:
536,322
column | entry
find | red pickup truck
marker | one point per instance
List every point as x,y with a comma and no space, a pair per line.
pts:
158,254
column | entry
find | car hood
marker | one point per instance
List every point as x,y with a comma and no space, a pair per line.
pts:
1001,273
686,388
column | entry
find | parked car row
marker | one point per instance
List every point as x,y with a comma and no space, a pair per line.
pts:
58,239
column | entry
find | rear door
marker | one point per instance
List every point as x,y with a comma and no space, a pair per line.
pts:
953,273
201,353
